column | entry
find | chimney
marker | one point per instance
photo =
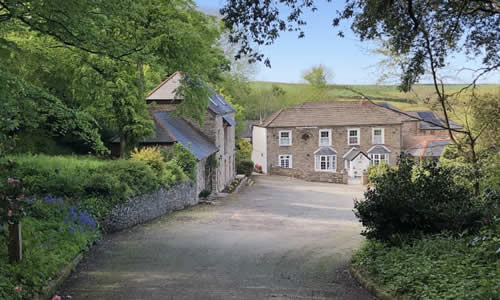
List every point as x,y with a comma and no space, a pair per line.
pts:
363,102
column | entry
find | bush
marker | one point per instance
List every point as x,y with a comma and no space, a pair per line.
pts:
377,171
182,157
244,149
205,193
244,167
413,200
54,232
96,184
150,155
436,267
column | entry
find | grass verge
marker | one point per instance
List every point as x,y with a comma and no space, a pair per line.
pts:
435,267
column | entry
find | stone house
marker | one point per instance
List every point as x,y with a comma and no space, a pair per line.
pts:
328,141
212,143
338,141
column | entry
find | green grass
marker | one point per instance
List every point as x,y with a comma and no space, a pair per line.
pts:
299,93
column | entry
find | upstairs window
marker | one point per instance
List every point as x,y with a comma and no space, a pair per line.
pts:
325,137
378,158
378,136
326,163
285,161
353,136
285,138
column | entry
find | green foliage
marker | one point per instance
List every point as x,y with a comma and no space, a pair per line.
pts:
435,267
412,200
34,109
182,157
54,232
205,193
99,65
244,149
150,155
377,171
317,76
97,185
244,167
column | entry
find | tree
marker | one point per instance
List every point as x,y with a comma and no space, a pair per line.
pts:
318,76
426,33
84,54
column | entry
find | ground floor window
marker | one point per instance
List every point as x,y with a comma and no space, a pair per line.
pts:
326,163
285,161
378,158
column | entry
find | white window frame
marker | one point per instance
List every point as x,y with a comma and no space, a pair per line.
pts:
333,163
289,137
288,157
373,136
329,137
358,135
376,159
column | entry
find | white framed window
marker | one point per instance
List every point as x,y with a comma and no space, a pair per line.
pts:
325,163
325,137
285,161
378,158
378,136
285,138
353,136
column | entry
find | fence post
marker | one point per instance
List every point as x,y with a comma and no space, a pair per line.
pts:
15,244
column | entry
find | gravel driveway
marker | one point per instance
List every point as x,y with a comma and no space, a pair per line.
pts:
279,239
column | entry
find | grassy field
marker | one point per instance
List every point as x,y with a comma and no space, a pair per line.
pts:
298,93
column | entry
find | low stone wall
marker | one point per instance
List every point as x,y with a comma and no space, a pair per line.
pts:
147,207
310,176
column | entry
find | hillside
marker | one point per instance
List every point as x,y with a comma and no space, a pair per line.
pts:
267,96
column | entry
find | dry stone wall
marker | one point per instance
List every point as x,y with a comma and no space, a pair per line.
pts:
147,207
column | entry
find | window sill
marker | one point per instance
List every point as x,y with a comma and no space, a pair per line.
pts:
325,171
285,145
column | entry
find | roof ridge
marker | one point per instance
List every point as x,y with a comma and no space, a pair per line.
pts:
272,120
163,82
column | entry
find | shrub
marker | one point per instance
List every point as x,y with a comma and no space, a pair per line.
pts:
182,157
205,193
412,200
434,267
377,171
244,167
244,149
150,155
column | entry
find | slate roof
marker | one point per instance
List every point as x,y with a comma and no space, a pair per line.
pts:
247,133
351,154
425,146
325,151
229,120
166,91
431,121
161,136
378,149
219,105
185,134
333,113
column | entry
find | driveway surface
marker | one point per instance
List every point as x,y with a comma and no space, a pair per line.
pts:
279,239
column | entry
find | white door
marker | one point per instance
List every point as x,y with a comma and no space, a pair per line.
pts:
356,168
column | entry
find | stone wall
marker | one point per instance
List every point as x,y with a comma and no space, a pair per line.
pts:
147,207
306,140
310,175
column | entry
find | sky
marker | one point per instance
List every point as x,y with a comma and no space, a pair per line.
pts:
350,60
